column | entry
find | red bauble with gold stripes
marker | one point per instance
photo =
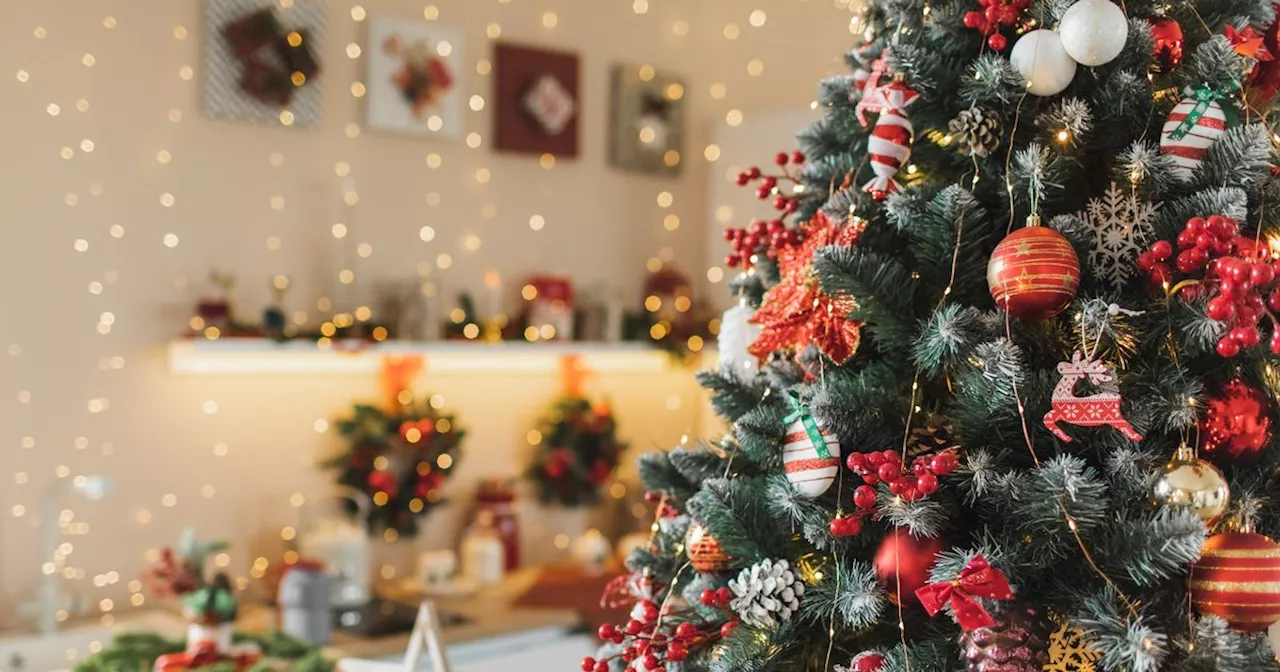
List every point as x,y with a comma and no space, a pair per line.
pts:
704,551
1238,579
1034,273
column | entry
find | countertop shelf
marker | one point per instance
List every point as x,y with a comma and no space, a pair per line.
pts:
250,356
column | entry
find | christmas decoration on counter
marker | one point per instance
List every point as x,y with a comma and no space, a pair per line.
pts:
1071,650
889,146
342,546
1099,409
977,579
274,321
647,120
262,64
483,553
1018,641
464,320
304,601
902,563
209,605
1041,59
1197,122
796,312
993,15
414,77
1169,41
496,503
975,131
1093,32
400,458
810,454
670,318
538,100
592,552
145,650
1238,278
705,553
766,594
577,454
737,333
1122,226
1193,483
867,661
1034,272
1237,578
1237,422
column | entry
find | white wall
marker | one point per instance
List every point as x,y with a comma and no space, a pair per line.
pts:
155,438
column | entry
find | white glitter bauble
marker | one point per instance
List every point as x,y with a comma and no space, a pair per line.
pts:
736,335
1043,62
1094,31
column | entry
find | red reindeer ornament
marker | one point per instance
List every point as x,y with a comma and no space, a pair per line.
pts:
1094,410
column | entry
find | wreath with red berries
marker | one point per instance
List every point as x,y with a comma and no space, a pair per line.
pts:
400,459
577,452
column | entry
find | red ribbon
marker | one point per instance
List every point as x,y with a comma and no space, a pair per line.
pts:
977,579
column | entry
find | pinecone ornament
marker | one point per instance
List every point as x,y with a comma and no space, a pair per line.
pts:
766,594
975,131
1018,642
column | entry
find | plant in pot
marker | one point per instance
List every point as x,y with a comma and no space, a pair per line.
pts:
208,605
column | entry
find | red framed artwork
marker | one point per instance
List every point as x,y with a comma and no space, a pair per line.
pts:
538,101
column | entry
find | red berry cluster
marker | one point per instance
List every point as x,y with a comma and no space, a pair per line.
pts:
769,183
1237,275
760,238
654,644
887,466
995,13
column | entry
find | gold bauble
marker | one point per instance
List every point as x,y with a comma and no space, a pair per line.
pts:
704,550
1193,483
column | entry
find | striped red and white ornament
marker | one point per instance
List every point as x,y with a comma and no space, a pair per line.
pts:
1238,579
1194,125
810,468
889,145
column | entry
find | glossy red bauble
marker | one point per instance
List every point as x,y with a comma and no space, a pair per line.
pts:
1238,579
1034,273
1237,421
867,661
1167,35
903,562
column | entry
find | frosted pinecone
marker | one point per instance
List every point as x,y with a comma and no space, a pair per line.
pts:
766,593
975,131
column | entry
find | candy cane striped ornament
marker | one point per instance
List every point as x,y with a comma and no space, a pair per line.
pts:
890,143
1194,125
811,454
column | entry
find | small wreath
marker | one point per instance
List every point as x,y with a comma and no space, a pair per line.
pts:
577,452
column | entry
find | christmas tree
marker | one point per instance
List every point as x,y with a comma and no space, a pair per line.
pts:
1001,388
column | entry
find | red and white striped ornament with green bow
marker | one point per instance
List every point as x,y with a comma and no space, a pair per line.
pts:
1194,125
811,454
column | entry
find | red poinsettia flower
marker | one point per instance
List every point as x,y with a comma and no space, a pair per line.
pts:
1248,42
796,312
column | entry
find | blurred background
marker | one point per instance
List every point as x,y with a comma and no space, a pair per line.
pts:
460,257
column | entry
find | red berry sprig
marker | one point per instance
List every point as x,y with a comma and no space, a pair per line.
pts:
646,639
921,480
1239,278
761,237
996,13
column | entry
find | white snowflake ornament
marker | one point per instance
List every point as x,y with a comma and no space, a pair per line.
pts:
1121,225
766,594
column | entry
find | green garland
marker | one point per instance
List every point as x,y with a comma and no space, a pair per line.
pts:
138,651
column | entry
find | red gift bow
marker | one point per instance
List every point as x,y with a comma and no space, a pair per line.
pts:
977,579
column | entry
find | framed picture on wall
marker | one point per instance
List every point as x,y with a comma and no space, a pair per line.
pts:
413,84
646,126
262,61
538,100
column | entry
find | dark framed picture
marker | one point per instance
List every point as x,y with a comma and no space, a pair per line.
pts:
538,100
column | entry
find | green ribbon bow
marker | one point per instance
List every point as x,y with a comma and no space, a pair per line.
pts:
1205,97
799,412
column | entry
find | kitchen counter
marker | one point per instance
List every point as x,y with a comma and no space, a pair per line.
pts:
490,614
